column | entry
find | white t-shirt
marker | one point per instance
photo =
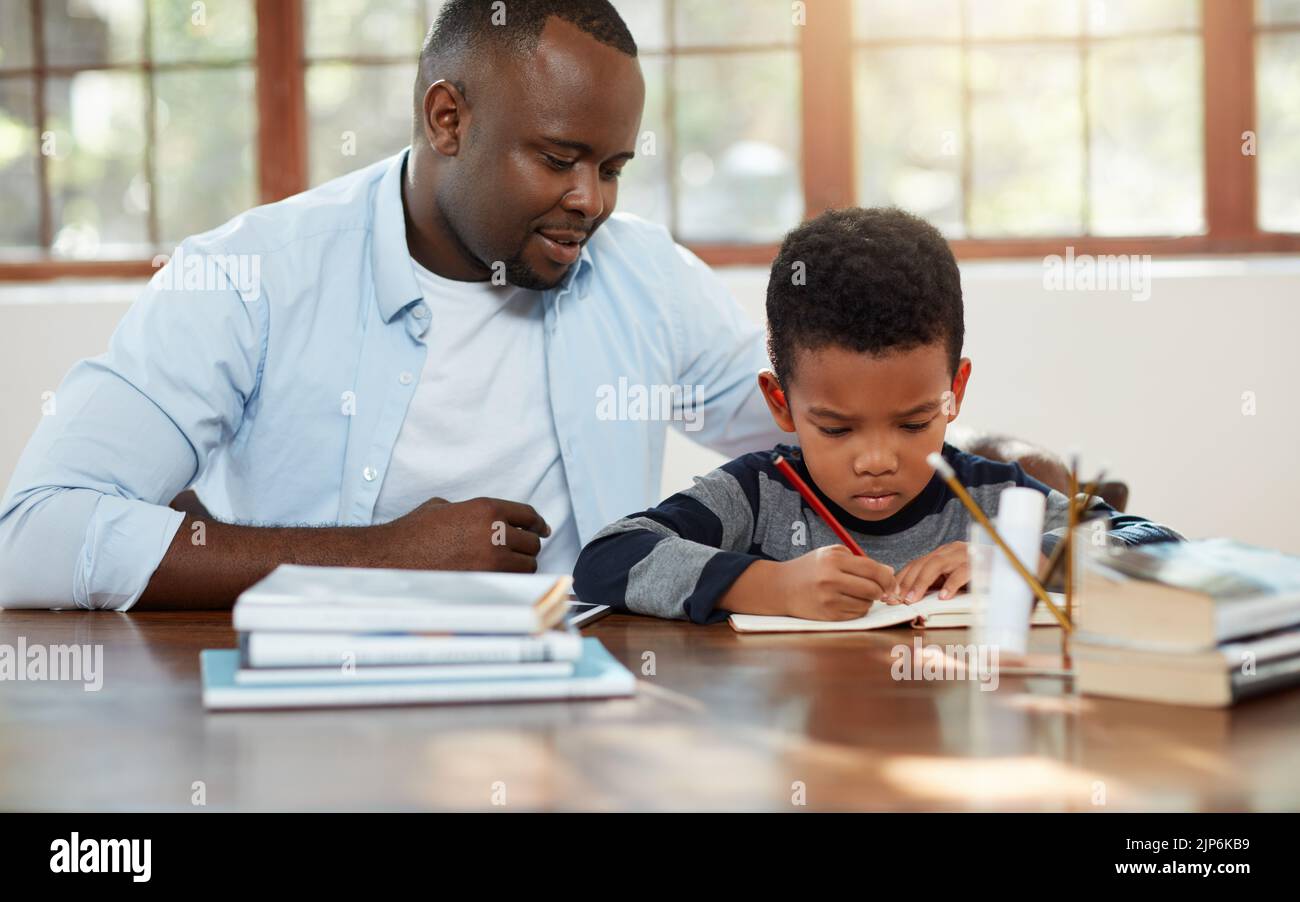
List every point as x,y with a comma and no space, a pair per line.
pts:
480,421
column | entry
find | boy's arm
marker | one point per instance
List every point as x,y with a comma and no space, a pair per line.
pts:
1124,529
947,570
676,560
694,558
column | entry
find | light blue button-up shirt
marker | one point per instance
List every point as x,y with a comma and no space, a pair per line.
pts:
263,365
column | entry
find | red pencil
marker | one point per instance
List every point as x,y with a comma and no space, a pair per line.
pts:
816,504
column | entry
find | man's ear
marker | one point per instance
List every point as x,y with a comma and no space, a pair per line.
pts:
776,402
446,116
952,404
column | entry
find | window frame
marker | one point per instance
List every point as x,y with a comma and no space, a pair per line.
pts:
1228,31
40,70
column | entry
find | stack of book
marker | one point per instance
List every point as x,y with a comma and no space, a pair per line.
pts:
1193,623
345,636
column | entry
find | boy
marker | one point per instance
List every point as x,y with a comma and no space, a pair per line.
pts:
865,330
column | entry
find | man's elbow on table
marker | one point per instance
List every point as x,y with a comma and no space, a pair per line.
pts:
63,547
39,546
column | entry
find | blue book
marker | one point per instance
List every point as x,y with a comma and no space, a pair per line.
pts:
596,675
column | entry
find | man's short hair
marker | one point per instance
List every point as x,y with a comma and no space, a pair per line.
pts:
513,25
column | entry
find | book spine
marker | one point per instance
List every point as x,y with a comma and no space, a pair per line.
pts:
481,620
315,650
412,693
422,673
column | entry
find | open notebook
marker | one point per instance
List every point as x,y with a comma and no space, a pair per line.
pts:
931,612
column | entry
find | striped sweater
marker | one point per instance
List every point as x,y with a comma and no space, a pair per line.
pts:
679,558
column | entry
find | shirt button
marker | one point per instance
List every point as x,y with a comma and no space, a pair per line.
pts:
369,473
405,378
421,312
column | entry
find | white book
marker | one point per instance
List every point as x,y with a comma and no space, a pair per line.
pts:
270,676
951,612
596,675
298,598
385,649
959,611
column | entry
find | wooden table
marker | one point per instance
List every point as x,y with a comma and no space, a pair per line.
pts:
726,722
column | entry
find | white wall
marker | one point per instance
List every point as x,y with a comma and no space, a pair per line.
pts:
1152,388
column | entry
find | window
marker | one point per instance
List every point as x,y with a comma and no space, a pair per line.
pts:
997,118
359,80
124,124
1019,126
1277,98
719,159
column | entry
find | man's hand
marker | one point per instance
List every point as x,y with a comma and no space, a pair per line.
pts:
831,583
481,534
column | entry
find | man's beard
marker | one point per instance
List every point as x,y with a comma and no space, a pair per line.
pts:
522,275
518,273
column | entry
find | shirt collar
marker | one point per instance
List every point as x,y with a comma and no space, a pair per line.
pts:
390,258
577,279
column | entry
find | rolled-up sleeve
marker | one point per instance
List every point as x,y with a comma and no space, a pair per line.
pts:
721,352
84,521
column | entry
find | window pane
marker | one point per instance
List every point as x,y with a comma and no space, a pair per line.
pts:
1119,16
710,23
356,115
207,144
1277,12
90,32
737,146
1278,97
643,188
1027,142
645,19
1008,18
97,180
213,30
15,35
1147,124
908,115
364,28
884,19
20,226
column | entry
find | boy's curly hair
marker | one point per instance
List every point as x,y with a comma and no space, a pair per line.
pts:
873,280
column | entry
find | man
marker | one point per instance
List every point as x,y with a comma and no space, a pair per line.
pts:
460,321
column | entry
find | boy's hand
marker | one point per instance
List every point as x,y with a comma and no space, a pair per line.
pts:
948,563
832,583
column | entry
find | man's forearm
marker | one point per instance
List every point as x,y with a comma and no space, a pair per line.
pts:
210,574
